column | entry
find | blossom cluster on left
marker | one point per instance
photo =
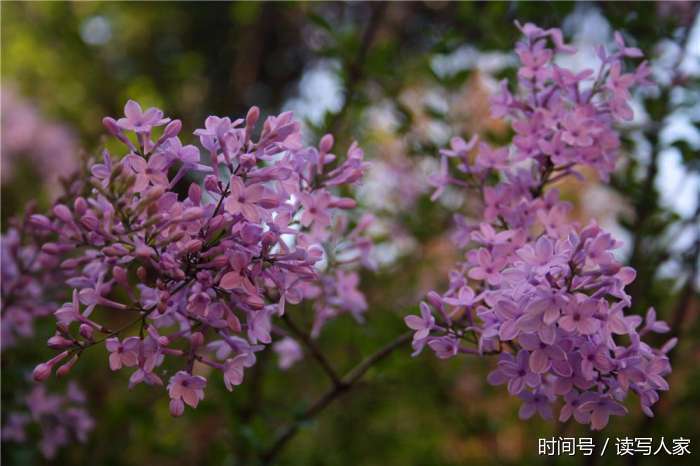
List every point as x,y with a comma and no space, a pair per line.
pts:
187,256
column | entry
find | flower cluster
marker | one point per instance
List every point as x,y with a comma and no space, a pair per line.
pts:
61,418
543,291
29,137
188,256
27,278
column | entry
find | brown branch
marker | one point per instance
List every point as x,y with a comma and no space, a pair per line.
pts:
313,349
346,383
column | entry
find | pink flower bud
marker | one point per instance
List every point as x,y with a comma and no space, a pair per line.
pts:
63,213
172,130
434,299
86,331
70,264
80,205
344,203
40,221
59,342
326,143
252,117
197,339
65,369
120,274
233,323
116,250
211,183
51,248
192,213
248,160
177,407
41,372
111,125
90,222
195,193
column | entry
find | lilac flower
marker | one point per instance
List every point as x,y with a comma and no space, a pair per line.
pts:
288,351
187,387
580,317
551,294
653,325
59,418
515,371
601,409
544,356
244,200
444,347
233,369
148,173
535,402
123,353
139,121
423,324
573,401
594,357
315,209
488,267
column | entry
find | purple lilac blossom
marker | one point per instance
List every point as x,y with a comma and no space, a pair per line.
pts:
28,137
27,273
60,419
203,251
552,293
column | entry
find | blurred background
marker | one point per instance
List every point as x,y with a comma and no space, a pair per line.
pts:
401,78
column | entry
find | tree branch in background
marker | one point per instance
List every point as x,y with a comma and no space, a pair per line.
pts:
313,349
355,69
346,383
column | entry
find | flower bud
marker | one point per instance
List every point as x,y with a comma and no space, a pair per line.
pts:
434,299
248,160
65,369
120,274
197,339
344,203
233,322
40,221
195,193
177,407
144,251
86,331
70,264
211,183
41,372
63,213
326,143
192,245
111,125
116,250
51,248
192,213
59,342
172,130
80,205
90,222
252,117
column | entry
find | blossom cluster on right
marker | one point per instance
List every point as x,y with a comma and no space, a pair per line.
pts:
542,291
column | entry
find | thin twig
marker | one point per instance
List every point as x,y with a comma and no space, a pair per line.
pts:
347,382
313,349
